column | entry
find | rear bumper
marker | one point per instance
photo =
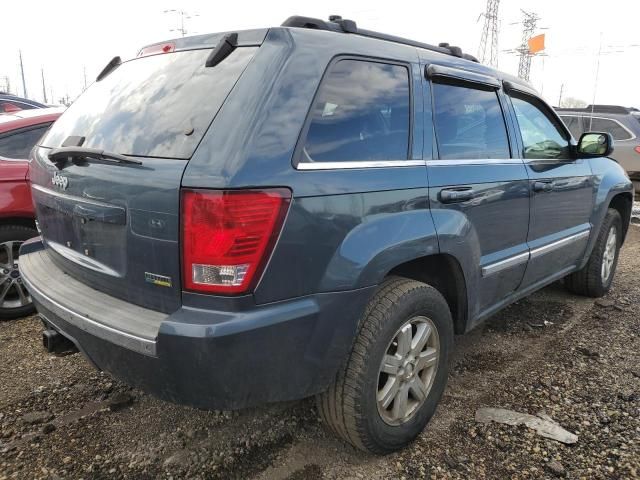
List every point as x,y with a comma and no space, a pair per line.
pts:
208,359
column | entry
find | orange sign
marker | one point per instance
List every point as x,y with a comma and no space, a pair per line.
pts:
536,44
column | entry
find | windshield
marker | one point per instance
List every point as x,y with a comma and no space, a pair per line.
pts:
156,106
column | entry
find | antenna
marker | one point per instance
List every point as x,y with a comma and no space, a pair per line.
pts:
528,27
490,35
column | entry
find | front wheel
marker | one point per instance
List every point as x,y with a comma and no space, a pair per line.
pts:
596,277
396,373
15,300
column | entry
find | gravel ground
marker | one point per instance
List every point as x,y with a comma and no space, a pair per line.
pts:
574,359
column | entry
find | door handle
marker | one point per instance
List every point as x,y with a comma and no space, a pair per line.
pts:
543,186
449,195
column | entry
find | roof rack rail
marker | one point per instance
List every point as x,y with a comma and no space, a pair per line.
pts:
337,24
601,109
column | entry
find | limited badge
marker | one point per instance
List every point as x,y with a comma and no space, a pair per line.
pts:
160,280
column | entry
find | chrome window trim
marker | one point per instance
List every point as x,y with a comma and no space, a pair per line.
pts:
523,257
359,164
474,161
405,163
501,265
633,135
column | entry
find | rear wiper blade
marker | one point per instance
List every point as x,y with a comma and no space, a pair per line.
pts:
64,153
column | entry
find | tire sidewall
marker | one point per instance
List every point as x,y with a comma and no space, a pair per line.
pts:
417,302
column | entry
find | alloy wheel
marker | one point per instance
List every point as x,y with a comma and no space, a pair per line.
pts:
609,255
407,370
13,293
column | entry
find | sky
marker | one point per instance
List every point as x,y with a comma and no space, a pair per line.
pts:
67,39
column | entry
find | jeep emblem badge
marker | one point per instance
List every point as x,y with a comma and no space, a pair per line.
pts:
60,181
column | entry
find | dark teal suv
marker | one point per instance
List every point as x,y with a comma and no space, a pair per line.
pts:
311,209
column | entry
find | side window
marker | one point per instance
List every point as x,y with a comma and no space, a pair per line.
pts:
574,124
542,136
19,144
617,131
361,112
469,123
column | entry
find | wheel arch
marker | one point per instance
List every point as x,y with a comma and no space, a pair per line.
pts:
443,272
623,203
21,221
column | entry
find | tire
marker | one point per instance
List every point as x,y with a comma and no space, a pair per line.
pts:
350,406
15,301
591,280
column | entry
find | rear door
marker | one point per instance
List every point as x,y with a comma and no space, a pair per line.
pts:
561,187
478,191
115,226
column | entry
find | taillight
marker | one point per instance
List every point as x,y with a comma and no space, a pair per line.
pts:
157,48
228,236
637,149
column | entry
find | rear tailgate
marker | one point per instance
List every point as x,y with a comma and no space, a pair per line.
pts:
115,226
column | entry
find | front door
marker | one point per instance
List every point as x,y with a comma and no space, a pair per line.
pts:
561,188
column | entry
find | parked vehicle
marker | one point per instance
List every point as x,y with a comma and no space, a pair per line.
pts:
19,132
621,122
314,209
10,103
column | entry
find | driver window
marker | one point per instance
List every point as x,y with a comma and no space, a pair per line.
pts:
542,138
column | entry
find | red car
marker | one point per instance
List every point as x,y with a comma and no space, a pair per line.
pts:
19,132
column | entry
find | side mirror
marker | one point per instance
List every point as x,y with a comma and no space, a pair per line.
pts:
594,144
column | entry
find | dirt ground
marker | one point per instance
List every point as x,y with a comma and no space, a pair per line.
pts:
574,359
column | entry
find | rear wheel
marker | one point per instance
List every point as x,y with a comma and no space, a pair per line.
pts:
394,378
15,300
595,279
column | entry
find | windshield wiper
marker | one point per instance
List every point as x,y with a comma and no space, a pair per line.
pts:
64,153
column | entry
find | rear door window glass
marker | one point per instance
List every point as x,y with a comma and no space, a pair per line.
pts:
361,113
155,106
542,135
469,123
606,125
18,144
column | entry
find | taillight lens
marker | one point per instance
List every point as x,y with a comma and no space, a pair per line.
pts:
227,237
637,149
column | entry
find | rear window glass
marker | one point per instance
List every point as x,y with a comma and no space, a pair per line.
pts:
156,106
361,113
574,124
469,123
617,131
18,144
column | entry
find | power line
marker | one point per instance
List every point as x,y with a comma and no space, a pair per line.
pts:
490,35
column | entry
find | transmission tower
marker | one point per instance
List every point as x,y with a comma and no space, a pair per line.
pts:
528,27
490,35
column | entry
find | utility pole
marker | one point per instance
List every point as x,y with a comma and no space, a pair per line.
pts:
528,27
84,71
24,84
44,89
490,35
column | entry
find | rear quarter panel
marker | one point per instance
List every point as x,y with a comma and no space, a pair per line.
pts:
610,180
15,194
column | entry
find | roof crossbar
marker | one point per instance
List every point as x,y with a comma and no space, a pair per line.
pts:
337,24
